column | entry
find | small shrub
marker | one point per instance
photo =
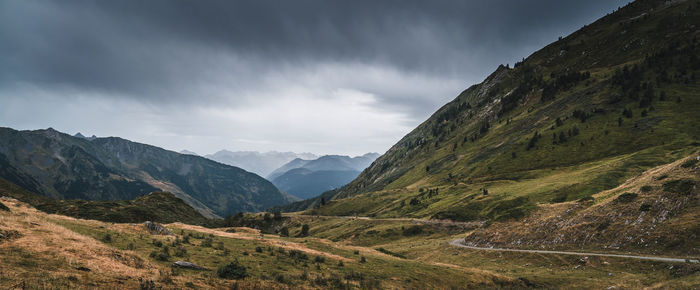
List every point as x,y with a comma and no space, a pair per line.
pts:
130,246
280,278
162,255
207,242
258,250
645,207
3,207
232,271
604,225
560,197
363,259
284,232
356,252
412,231
319,260
340,264
107,238
277,215
385,251
298,255
626,197
646,188
157,243
680,186
689,163
304,230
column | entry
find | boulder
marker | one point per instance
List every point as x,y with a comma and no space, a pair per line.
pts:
188,265
157,229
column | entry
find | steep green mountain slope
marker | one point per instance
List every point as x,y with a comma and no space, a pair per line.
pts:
161,207
66,167
579,116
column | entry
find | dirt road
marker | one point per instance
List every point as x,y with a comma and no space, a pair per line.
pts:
458,243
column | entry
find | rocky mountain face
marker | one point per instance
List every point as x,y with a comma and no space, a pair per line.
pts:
309,178
66,167
577,117
259,163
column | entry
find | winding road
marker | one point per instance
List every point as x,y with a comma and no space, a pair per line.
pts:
458,243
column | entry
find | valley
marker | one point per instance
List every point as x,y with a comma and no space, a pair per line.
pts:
335,252
576,167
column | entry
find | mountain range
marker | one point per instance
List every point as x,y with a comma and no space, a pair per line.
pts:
259,163
309,178
62,166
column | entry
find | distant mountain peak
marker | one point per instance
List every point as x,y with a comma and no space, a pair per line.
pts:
309,178
81,136
261,163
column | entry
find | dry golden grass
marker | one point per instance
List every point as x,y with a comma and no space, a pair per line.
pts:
41,238
267,239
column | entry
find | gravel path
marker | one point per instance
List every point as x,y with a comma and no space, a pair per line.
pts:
458,243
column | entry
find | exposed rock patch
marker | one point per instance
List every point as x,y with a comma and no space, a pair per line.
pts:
6,235
188,265
157,229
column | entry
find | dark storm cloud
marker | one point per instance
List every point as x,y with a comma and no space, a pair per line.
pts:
210,67
148,46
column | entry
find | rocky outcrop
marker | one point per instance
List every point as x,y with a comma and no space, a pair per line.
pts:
157,229
9,235
188,265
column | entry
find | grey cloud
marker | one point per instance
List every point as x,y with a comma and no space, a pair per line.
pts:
411,55
143,46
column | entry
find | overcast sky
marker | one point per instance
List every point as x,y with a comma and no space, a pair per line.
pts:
307,76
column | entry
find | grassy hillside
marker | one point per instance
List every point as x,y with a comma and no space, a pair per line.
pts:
156,206
655,213
579,116
52,251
